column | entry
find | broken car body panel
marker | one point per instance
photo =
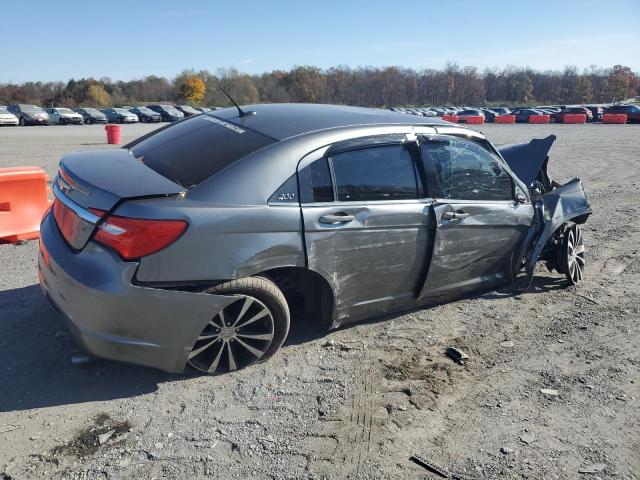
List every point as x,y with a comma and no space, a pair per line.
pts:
567,203
527,159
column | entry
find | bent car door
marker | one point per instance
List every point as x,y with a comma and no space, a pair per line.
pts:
479,224
366,226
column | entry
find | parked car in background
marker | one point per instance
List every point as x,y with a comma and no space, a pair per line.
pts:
522,114
558,117
427,112
7,118
470,112
29,114
169,113
631,111
198,243
188,111
64,116
119,115
596,111
489,115
91,115
501,110
146,115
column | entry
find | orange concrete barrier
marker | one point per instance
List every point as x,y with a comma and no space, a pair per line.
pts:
539,118
614,118
505,119
24,197
450,118
473,119
574,118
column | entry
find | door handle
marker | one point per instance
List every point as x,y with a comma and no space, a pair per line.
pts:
339,217
459,215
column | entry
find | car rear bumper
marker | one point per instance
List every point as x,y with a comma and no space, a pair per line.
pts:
8,121
112,318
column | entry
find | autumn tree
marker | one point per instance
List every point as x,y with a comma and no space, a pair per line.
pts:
97,96
192,89
364,86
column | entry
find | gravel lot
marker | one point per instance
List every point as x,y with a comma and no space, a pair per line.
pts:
357,402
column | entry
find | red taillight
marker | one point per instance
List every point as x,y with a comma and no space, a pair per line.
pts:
134,238
68,222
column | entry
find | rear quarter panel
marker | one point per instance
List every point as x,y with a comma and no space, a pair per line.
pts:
222,241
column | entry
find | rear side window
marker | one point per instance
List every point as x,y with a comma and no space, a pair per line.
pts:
321,184
191,151
380,173
463,170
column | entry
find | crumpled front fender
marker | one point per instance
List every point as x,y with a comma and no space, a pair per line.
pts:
559,206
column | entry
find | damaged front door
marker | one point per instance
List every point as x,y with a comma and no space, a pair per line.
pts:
479,223
365,227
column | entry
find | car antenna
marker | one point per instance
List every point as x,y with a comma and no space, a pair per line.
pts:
241,112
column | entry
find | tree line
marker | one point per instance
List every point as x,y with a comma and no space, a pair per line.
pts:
363,86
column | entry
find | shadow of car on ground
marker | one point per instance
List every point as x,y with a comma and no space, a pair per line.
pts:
35,352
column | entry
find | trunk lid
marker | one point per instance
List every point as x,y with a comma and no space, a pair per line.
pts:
100,180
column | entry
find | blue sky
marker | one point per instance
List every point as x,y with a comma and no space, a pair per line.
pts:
125,39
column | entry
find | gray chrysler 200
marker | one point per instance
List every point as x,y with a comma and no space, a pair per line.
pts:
197,243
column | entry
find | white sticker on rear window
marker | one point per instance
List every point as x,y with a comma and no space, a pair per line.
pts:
228,125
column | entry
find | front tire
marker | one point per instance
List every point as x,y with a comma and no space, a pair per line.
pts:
249,330
572,258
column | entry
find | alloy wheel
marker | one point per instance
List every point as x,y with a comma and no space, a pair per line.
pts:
574,251
238,336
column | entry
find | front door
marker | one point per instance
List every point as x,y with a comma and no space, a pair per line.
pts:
479,224
366,227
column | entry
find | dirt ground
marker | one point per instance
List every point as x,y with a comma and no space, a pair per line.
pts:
360,401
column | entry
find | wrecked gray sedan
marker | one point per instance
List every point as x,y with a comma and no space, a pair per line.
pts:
196,244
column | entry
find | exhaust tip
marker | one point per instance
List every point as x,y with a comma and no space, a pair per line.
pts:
80,358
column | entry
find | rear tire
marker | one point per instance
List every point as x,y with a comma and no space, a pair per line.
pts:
22,122
247,331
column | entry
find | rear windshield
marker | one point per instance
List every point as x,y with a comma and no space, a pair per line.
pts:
192,150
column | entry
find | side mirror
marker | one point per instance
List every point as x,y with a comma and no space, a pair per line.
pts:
520,198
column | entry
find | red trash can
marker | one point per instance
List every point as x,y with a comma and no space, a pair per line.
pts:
113,134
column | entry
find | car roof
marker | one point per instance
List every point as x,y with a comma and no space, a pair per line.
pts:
285,120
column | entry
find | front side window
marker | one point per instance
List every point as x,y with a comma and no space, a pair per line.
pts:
380,173
463,170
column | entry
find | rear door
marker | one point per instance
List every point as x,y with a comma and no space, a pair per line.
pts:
366,225
479,225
